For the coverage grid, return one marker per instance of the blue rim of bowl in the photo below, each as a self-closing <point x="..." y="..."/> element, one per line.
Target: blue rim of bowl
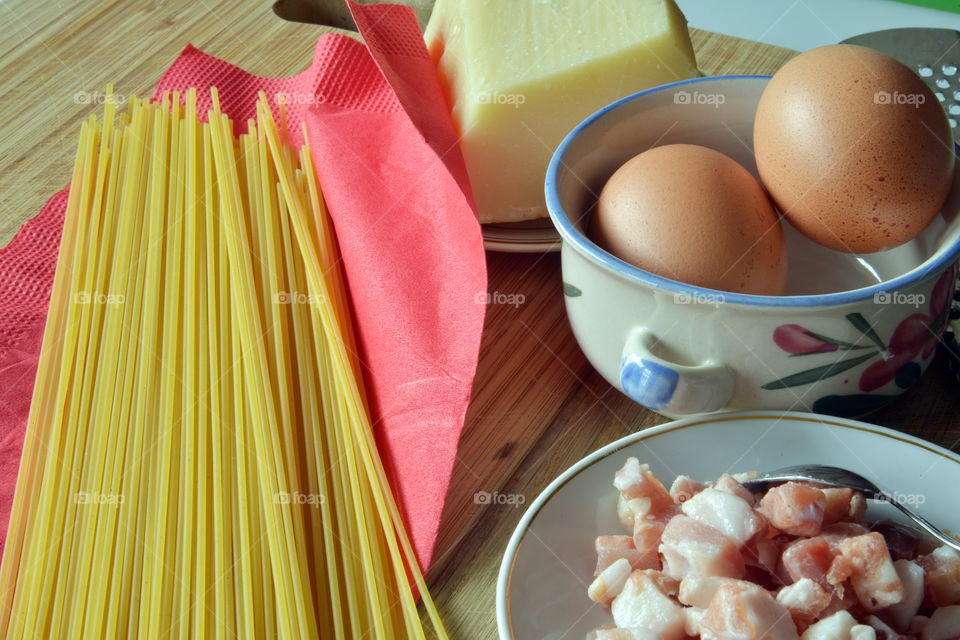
<point x="561" y="220"/>
<point x="508" y="563"/>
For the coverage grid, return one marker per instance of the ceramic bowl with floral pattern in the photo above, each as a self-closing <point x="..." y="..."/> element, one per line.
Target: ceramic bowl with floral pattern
<point x="852" y="331"/>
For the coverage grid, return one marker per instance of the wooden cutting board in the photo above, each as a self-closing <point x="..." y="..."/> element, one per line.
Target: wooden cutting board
<point x="537" y="405"/>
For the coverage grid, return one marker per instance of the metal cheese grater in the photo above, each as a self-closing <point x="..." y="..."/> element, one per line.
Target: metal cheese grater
<point x="935" y="55"/>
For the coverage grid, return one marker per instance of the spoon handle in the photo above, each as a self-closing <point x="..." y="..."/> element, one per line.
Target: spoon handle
<point x="924" y="524"/>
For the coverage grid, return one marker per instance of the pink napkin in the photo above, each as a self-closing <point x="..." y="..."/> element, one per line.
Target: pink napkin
<point x="394" y="178"/>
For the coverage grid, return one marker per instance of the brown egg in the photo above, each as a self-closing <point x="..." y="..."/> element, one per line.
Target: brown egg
<point x="692" y="214"/>
<point x="853" y="148"/>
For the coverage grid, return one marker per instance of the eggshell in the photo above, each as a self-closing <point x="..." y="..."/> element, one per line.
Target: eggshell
<point x="853" y="148"/>
<point x="692" y="214"/>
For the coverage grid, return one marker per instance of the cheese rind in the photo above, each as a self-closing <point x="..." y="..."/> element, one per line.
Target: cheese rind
<point x="520" y="74"/>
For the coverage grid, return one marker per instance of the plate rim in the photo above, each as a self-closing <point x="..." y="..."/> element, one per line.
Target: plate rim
<point x="521" y="247"/>
<point x="510" y="240"/>
<point x="505" y="573"/>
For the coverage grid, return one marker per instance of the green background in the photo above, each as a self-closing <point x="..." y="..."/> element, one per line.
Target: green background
<point x="943" y="5"/>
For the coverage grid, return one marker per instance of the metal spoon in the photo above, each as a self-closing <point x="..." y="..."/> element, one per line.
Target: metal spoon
<point x="837" y="477"/>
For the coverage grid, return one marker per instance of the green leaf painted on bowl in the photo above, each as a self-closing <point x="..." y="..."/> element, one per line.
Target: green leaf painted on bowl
<point x="851" y="406"/>
<point x="864" y="327"/>
<point x="571" y="291"/>
<point x="907" y="375"/>
<point x="841" y="345"/>
<point x="817" y="373"/>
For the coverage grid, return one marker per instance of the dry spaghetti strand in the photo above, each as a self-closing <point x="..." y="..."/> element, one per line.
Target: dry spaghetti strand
<point x="199" y="460"/>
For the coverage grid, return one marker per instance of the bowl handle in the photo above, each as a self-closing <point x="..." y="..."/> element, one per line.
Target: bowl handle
<point x="668" y="387"/>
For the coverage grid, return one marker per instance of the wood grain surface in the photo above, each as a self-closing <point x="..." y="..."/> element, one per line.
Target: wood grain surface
<point x="537" y="407"/>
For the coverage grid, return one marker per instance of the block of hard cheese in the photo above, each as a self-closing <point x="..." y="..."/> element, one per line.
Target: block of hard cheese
<point x="520" y="74"/>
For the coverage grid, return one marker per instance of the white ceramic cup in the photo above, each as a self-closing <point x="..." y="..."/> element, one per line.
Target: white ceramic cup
<point x="852" y="332"/>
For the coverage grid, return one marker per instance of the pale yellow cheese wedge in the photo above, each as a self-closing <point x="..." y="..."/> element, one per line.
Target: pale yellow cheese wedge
<point x="520" y="74"/>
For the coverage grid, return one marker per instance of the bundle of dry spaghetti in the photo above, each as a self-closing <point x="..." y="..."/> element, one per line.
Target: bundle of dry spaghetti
<point x="199" y="460"/>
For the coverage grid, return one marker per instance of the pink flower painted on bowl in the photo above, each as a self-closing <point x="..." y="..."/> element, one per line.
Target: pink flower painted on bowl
<point x="916" y="335"/>
<point x="884" y="370"/>
<point x="942" y="293"/>
<point x="797" y="340"/>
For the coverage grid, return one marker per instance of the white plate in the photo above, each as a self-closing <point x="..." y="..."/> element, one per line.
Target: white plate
<point x="541" y="592"/>
<point x="529" y="236"/>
